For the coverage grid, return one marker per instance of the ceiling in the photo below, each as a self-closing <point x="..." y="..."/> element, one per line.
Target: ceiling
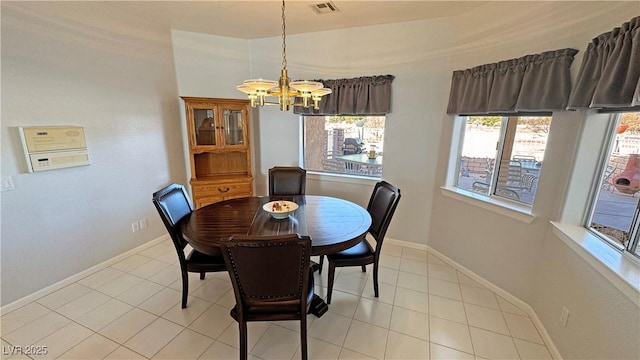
<point x="258" y="19"/>
<point x="241" y="19"/>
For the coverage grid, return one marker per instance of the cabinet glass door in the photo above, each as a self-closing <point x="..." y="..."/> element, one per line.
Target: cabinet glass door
<point x="233" y="127"/>
<point x="205" y="126"/>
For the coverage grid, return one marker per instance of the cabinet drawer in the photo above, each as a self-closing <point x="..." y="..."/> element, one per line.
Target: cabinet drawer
<point x="206" y="200"/>
<point x="222" y="189"/>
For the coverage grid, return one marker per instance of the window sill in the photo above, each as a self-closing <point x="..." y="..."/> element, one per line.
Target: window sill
<point x="506" y="208"/>
<point x="343" y="178"/>
<point x="620" y="269"/>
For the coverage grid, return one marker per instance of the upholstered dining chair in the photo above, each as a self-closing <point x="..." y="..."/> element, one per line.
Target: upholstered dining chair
<point x="173" y="204"/>
<point x="271" y="280"/>
<point x="287" y="181"/>
<point x="382" y="205"/>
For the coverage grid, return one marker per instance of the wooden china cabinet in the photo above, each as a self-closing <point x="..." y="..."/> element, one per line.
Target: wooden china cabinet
<point x="219" y="150"/>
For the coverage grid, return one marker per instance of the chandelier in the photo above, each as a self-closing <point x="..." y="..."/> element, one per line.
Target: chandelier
<point x="285" y="90"/>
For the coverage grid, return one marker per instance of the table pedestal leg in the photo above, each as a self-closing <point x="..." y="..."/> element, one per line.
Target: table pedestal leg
<point x="314" y="266"/>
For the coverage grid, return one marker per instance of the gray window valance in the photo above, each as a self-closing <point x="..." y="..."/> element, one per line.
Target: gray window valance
<point x="530" y="84"/>
<point x="609" y="77"/>
<point x="367" y="95"/>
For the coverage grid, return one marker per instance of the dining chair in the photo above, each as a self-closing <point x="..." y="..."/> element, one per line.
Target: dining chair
<point x="173" y="204"/>
<point x="514" y="175"/>
<point x="287" y="181"/>
<point x="606" y="178"/>
<point x="524" y="158"/>
<point x="480" y="187"/>
<point x="382" y="205"/>
<point x="271" y="279"/>
<point x="528" y="180"/>
<point x="507" y="193"/>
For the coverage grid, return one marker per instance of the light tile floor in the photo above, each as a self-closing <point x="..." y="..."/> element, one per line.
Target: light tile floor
<point x="131" y="310"/>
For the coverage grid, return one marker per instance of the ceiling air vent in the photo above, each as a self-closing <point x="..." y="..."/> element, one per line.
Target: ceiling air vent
<point x="325" y="8"/>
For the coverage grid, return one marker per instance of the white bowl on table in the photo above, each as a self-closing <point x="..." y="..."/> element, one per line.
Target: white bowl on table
<point x="280" y="209"/>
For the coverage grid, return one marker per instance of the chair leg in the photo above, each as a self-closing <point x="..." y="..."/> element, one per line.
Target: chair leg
<point x="332" y="273"/>
<point x="364" y="268"/>
<point x="244" y="351"/>
<point x="303" y="337"/>
<point x="321" y="262"/>
<point x="202" y="275"/>
<point x="375" y="279"/>
<point x="185" y="288"/>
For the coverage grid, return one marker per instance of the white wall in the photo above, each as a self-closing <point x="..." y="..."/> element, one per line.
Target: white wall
<point x="603" y="322"/>
<point x="209" y="66"/>
<point x="63" y="67"/>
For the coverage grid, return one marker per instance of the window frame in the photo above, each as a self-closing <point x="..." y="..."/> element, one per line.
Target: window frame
<point x="506" y="140"/>
<point x="324" y="173"/>
<point x="631" y="249"/>
<point x="495" y="204"/>
<point x="621" y="269"/>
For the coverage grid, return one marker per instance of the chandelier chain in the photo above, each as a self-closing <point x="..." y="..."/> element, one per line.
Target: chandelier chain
<point x="284" y="40"/>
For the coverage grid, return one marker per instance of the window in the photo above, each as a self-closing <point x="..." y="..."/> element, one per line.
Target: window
<point x="516" y="144"/>
<point x="614" y="215"/>
<point x="344" y="144"/>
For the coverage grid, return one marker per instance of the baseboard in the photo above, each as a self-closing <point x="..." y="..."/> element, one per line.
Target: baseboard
<point x="506" y="295"/>
<point x="73" y="278"/>
<point x="406" y="244"/>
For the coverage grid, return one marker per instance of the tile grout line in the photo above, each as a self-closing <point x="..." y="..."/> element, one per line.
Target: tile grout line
<point x="351" y="317"/>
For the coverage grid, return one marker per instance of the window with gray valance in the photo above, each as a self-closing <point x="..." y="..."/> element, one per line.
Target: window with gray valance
<point x="530" y="84"/>
<point x="367" y="95"/>
<point x="609" y="77"/>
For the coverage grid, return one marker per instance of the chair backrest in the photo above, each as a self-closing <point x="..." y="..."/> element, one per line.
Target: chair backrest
<point x="287" y="181"/>
<point x="528" y="180"/>
<point x="507" y="193"/>
<point x="352" y="146"/>
<point x="267" y="270"/>
<point x="514" y="174"/>
<point x="481" y="187"/>
<point x="382" y="205"/>
<point x="173" y="204"/>
<point x="524" y="158"/>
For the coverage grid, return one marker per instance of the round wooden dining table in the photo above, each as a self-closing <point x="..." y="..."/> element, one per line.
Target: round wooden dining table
<point x="333" y="224"/>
